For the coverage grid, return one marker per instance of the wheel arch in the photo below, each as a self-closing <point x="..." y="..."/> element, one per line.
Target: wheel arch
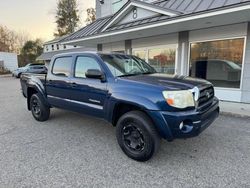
<point x="157" y="120"/>
<point x="33" y="90"/>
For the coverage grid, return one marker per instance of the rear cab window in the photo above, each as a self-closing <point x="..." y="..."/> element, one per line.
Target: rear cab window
<point x="62" y="66"/>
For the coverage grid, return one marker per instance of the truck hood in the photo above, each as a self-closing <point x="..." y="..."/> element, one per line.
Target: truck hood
<point x="170" y="82"/>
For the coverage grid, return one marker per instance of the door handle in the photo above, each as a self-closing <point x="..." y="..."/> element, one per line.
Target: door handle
<point x="49" y="81"/>
<point x="73" y="84"/>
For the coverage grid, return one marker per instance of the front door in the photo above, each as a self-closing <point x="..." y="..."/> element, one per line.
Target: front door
<point x="87" y="95"/>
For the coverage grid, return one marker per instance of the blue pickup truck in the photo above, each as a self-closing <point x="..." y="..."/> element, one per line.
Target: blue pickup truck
<point x="143" y="105"/>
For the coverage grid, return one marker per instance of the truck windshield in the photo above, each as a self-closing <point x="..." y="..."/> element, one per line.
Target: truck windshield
<point x="125" y="65"/>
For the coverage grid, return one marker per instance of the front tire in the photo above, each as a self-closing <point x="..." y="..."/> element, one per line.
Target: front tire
<point x="137" y="136"/>
<point x="40" y="111"/>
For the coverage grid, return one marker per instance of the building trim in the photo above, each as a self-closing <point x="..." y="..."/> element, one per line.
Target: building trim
<point x="142" y="5"/>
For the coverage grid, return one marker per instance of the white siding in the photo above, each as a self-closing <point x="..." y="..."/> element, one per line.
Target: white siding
<point x="141" y="13"/>
<point x="48" y="47"/>
<point x="115" y="46"/>
<point x="155" y="41"/>
<point x="246" y="71"/>
<point x="10" y="60"/>
<point x="228" y="31"/>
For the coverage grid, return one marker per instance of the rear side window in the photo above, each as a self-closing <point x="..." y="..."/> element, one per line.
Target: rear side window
<point x="83" y="64"/>
<point x="62" y="66"/>
<point x="37" y="67"/>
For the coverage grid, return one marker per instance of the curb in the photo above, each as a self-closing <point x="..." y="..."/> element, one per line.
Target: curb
<point x="234" y="115"/>
<point x="5" y="76"/>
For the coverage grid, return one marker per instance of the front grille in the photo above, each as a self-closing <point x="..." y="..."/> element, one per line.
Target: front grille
<point x="206" y="95"/>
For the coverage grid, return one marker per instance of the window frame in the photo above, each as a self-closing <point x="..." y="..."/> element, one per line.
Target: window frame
<point x="146" y="49"/>
<point x="52" y="68"/>
<point x="74" y="66"/>
<point x="221" y="39"/>
<point x="114" y="3"/>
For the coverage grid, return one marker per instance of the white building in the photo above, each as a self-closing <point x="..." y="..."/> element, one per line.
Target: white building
<point x="54" y="47"/>
<point x="207" y="39"/>
<point x="8" y="61"/>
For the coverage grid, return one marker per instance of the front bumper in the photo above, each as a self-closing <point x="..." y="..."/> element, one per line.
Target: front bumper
<point x="194" y="122"/>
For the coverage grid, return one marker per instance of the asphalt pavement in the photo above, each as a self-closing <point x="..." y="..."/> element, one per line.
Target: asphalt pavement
<point x="74" y="150"/>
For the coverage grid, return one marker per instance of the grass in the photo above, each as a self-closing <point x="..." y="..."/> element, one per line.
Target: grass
<point x="4" y="71"/>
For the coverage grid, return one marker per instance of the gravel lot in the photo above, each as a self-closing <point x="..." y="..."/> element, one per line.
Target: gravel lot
<point x="73" y="150"/>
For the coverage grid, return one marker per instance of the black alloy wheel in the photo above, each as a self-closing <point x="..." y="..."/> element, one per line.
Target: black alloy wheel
<point x="133" y="138"/>
<point x="40" y="111"/>
<point x="137" y="136"/>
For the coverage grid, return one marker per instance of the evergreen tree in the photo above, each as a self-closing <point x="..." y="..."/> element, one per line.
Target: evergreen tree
<point x="67" y="17"/>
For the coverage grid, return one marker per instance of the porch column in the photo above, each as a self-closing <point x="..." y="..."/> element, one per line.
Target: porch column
<point x="183" y="50"/>
<point x="99" y="47"/>
<point x="128" y="47"/>
<point x="246" y="71"/>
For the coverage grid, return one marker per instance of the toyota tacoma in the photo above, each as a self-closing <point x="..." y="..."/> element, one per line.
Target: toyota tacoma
<point x="143" y="105"/>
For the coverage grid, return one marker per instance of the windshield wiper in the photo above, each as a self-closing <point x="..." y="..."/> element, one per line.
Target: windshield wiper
<point x="148" y="73"/>
<point x="136" y="74"/>
<point x="127" y="75"/>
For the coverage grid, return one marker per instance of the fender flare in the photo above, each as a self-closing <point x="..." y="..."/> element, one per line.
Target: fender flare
<point x="143" y="103"/>
<point x="36" y="85"/>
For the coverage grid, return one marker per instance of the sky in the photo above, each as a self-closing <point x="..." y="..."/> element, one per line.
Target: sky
<point x="35" y="17"/>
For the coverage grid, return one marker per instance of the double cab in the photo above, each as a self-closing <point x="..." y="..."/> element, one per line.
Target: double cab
<point x="143" y="105"/>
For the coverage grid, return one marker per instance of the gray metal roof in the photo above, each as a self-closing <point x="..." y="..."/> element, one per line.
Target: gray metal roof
<point x="193" y="6"/>
<point x="55" y="40"/>
<point x="137" y="23"/>
<point x="185" y="7"/>
<point x="90" y="29"/>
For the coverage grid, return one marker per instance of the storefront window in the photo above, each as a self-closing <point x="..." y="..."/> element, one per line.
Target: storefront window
<point x="116" y="5"/>
<point x="140" y="53"/>
<point x="163" y="59"/>
<point x="219" y="62"/>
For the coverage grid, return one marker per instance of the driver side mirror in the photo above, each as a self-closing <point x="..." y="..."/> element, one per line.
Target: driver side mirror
<point x="95" y="74"/>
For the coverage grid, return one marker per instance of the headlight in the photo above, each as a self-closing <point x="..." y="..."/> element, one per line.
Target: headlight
<point x="179" y="99"/>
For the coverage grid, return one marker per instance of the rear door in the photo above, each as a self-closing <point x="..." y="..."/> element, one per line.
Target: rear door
<point x="58" y="83"/>
<point x="87" y="95"/>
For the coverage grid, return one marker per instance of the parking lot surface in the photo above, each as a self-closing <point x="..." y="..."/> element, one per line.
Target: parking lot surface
<point x="73" y="150"/>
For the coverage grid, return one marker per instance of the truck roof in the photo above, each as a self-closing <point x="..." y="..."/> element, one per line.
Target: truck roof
<point x="87" y="52"/>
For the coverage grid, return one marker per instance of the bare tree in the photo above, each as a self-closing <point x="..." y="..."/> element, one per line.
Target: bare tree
<point x="91" y="15"/>
<point x="11" y="41"/>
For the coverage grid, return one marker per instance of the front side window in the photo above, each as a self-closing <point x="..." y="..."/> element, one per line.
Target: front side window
<point x="62" y="66"/>
<point x="219" y="62"/>
<point x="83" y="64"/>
<point x="125" y="65"/>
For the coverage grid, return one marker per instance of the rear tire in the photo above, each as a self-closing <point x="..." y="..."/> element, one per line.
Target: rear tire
<point x="40" y="111"/>
<point x="137" y="136"/>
